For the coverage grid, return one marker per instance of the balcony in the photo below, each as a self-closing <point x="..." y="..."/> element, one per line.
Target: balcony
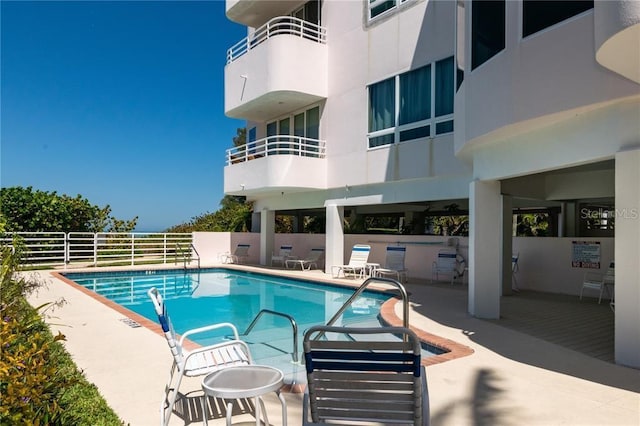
<point x="275" y="164"/>
<point x="253" y="13"/>
<point x="279" y="68"/>
<point x="617" y="35"/>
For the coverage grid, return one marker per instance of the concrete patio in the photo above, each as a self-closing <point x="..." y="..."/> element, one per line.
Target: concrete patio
<point x="540" y="365"/>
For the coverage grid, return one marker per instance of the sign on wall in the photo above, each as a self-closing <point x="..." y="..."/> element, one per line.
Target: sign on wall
<point x="586" y="254"/>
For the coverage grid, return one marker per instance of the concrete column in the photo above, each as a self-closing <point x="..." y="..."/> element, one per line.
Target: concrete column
<point x="561" y="219"/>
<point x="570" y="216"/>
<point x="485" y="242"/>
<point x="267" y="235"/>
<point x="334" y="238"/>
<point x="627" y="253"/>
<point x="255" y="222"/>
<point x="507" y="243"/>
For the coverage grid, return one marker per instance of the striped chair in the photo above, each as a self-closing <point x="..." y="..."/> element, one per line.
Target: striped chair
<point x="357" y="265"/>
<point x="394" y="264"/>
<point x="241" y="253"/>
<point x="357" y="377"/>
<point x="445" y="264"/>
<point x="198" y="362"/>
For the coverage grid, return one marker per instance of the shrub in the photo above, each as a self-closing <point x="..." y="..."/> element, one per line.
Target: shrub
<point x="39" y="383"/>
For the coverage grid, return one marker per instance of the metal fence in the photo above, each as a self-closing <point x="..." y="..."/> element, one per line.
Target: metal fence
<point x="85" y="249"/>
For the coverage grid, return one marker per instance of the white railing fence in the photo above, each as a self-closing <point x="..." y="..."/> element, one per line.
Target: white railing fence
<point x="277" y="145"/>
<point x="82" y="249"/>
<point x="282" y="25"/>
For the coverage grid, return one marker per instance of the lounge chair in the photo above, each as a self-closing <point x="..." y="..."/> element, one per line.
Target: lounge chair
<point x="357" y="265"/>
<point x="394" y="264"/>
<point x="315" y="257"/>
<point x="364" y="380"/>
<point x="240" y="254"/>
<point x="599" y="282"/>
<point x="198" y="362"/>
<point x="283" y="255"/>
<point x="445" y="264"/>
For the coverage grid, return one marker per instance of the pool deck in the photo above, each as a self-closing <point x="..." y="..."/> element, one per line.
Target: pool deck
<point x="513" y="377"/>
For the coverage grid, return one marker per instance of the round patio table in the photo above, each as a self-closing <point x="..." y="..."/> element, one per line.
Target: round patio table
<point x="244" y="381"/>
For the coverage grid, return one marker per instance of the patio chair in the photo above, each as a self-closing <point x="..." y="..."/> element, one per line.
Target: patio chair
<point x="315" y="258"/>
<point x="241" y="253"/>
<point x="445" y="264"/>
<point x="283" y="255"/>
<point x="197" y="362"/>
<point x="599" y="282"/>
<point x="394" y="264"/>
<point x="356" y="377"/>
<point x="357" y="265"/>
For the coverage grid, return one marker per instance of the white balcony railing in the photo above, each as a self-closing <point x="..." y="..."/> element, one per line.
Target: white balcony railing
<point x="282" y="25"/>
<point x="277" y="145"/>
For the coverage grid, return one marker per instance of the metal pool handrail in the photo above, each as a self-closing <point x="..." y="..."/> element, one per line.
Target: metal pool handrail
<point x="294" y="326"/>
<point x="403" y="293"/>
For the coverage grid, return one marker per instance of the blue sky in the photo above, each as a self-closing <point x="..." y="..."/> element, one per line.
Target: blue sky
<point x="120" y="102"/>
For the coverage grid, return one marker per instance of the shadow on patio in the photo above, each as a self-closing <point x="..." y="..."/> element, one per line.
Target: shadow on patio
<point x="582" y="331"/>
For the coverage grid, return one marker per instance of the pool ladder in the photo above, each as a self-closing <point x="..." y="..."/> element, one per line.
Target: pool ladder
<point x="187" y="254"/>
<point x="343" y="308"/>
<point x="292" y="321"/>
<point x="358" y="292"/>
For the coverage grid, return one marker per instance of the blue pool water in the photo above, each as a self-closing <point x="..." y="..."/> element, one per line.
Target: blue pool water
<point x="195" y="298"/>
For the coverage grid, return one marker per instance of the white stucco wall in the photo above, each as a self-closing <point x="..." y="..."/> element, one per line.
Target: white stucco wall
<point x="362" y="53"/>
<point x="544" y="263"/>
<point x="287" y="68"/>
<point x="538" y="77"/>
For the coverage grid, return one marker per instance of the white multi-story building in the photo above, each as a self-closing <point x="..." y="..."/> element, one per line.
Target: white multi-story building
<point x="398" y="105"/>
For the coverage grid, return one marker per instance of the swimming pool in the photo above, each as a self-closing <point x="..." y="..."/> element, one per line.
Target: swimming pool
<point x="196" y="298"/>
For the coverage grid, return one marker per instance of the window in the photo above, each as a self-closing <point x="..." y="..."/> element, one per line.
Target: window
<point x="251" y="139"/>
<point x="310" y="12"/>
<point x="382" y="98"/>
<point x="540" y="14"/>
<point x="312" y="127"/>
<point x="422" y="99"/>
<point x="378" y="7"/>
<point x="597" y="219"/>
<point x="415" y="95"/>
<point x="487" y="30"/>
<point x="272" y="129"/>
<point x="444" y="94"/>
<point x="304" y="125"/>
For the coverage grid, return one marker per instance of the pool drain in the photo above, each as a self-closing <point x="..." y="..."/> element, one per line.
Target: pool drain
<point x="131" y="323"/>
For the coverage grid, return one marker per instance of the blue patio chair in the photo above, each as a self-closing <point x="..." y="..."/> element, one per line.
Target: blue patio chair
<point x="394" y="264"/>
<point x="446" y="264"/>
<point x="240" y="254"/>
<point x="355" y="377"/>
<point x="283" y="255"/>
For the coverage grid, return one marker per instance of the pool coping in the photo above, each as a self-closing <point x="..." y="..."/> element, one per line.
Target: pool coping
<point x="388" y="314"/>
